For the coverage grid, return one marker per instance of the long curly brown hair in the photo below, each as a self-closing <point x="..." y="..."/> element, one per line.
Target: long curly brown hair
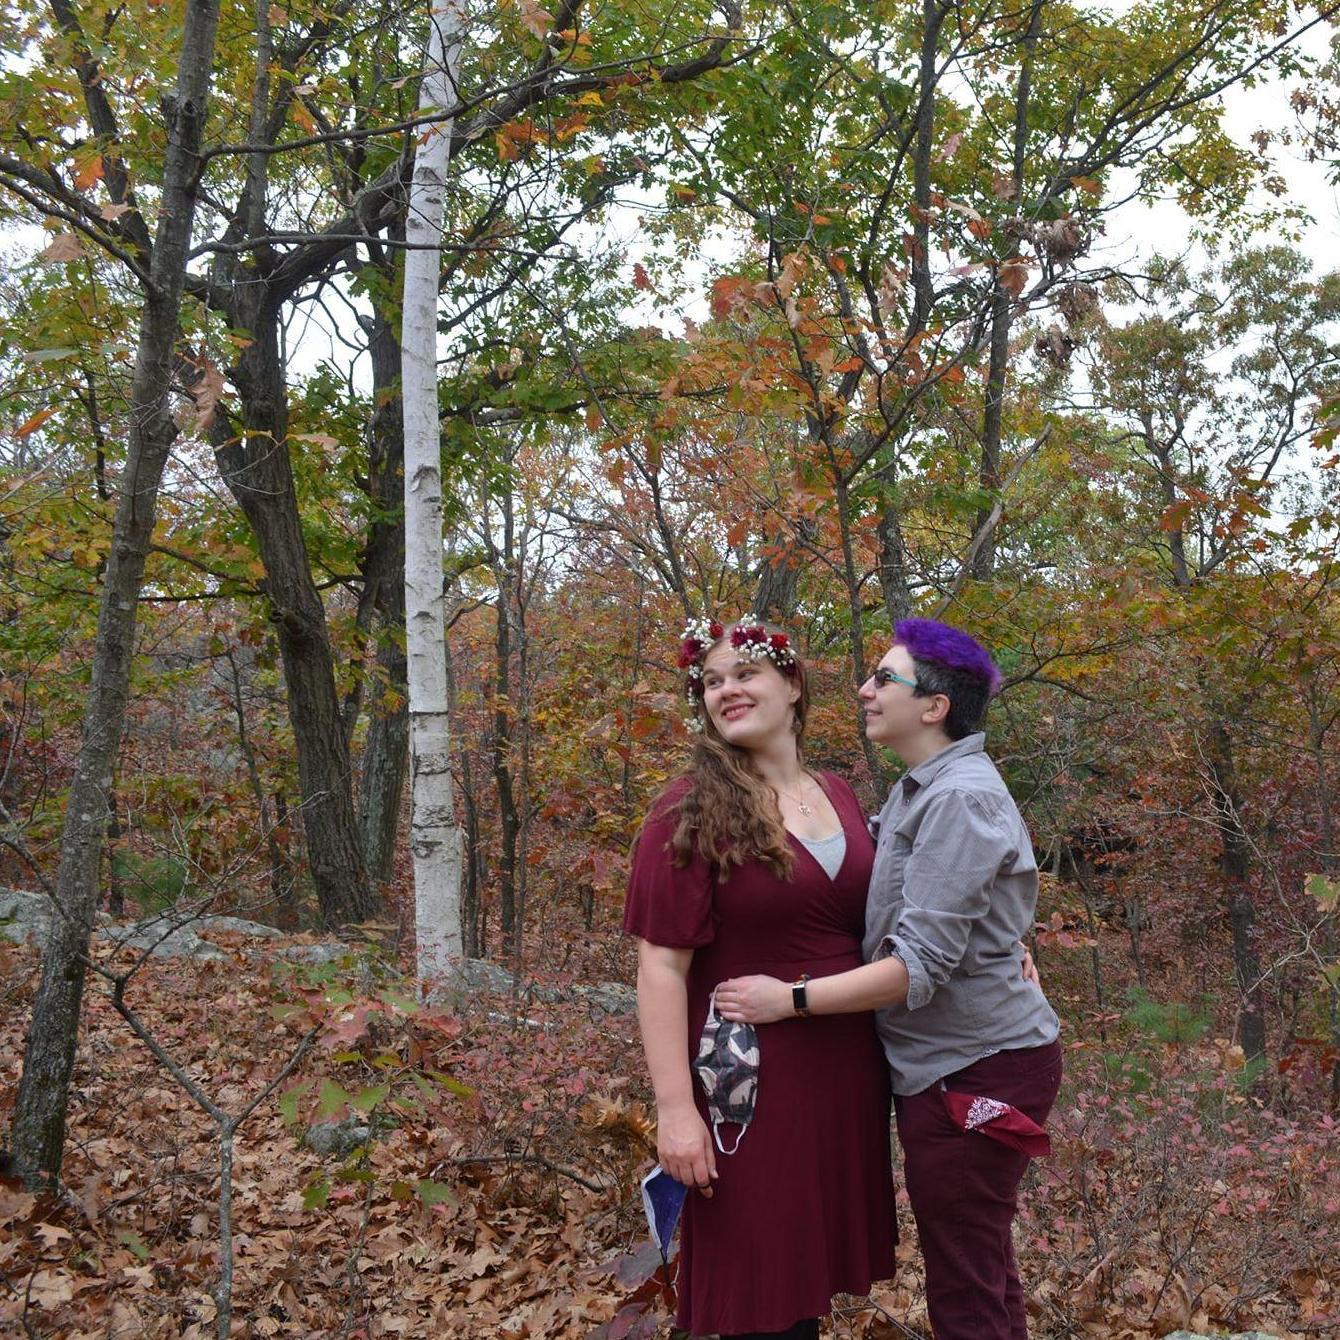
<point x="729" y="814"/>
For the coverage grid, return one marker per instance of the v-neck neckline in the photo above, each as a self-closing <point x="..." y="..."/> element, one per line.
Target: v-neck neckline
<point x="842" y="828"/>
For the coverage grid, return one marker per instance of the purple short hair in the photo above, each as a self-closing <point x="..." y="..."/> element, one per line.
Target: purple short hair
<point x="931" y="640"/>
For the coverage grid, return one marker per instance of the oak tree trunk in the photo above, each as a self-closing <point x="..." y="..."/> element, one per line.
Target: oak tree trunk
<point x="386" y="750"/>
<point x="39" y="1116"/>
<point x="254" y="463"/>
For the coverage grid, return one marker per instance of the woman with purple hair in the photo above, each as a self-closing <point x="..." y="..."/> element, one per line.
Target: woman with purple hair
<point x="971" y="1041"/>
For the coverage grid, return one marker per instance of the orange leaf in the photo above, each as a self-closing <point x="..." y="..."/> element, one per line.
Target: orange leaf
<point x="1013" y="275"/>
<point x="644" y="727"/>
<point x="1087" y="184"/>
<point x="207" y="392"/>
<point x="1174" y="518"/>
<point x="63" y="247"/>
<point x="35" y="422"/>
<point x="88" y="173"/>
<point x="535" y="19"/>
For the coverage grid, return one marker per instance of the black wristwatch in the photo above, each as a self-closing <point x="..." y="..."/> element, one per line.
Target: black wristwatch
<point x="799" y="1000"/>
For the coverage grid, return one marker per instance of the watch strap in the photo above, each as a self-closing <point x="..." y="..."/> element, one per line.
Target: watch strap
<point x="799" y="996"/>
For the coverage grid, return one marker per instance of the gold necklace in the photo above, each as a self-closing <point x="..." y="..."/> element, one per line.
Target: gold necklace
<point x="797" y="801"/>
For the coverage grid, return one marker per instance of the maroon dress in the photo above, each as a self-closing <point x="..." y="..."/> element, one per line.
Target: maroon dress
<point x="805" y="1208"/>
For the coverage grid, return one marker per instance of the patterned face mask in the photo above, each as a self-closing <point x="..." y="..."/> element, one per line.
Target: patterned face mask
<point x="727" y="1068"/>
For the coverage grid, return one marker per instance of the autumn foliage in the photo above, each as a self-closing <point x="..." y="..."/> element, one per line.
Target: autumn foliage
<point x="809" y="310"/>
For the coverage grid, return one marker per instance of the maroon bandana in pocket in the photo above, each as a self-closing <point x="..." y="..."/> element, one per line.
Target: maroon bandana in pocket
<point x="1000" y="1121"/>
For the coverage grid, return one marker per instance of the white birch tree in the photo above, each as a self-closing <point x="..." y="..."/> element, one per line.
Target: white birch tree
<point x="435" y="837"/>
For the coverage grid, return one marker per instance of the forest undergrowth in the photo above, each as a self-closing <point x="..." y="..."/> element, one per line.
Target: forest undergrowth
<point x="495" y="1193"/>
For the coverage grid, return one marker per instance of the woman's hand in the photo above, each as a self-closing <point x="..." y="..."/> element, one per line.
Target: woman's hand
<point x="755" y="1000"/>
<point x="684" y="1147"/>
<point x="1029" y="969"/>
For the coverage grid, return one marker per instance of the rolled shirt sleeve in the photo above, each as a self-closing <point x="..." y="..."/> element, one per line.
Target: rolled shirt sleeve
<point x="958" y="850"/>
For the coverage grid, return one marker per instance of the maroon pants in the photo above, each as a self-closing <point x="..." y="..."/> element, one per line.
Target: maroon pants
<point x="962" y="1186"/>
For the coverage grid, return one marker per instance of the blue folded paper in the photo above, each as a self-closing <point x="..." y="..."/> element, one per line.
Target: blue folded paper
<point x="663" y="1199"/>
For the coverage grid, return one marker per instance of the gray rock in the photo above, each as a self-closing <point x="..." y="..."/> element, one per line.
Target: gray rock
<point x="161" y="939"/>
<point x="608" y="997"/>
<point x="337" y="1139"/>
<point x="478" y="974"/>
<point x="238" y="926"/>
<point x="1220" y="1335"/>
<point x="605" y="997"/>
<point x="27" y="916"/>
<point x="24" y="916"/>
<point x="325" y="951"/>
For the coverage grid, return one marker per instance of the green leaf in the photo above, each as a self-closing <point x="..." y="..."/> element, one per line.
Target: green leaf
<point x="355" y="1174"/>
<point x="331" y="1099"/>
<point x="405" y="1004"/>
<point x="434" y="1193"/>
<point x="315" y="1194"/>
<point x="1325" y="891"/>
<point x="127" y="1237"/>
<point x="290" y="1098"/>
<point x="47" y="355"/>
<point x="366" y="1099"/>
<point x="453" y="1084"/>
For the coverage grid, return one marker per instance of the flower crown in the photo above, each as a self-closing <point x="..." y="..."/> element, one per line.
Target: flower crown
<point x="751" y="640"/>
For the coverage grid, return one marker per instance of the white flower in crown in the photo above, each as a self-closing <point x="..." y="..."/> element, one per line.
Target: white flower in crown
<point x="698" y="635"/>
<point x="753" y="642"/>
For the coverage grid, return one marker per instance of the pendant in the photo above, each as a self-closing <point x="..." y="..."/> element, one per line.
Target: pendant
<point x="804" y="808"/>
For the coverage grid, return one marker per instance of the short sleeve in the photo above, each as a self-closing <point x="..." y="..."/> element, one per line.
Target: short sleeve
<point x="668" y="905"/>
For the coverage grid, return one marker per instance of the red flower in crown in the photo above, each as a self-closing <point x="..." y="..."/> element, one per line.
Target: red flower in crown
<point x="697" y="637"/>
<point x="753" y="642"/>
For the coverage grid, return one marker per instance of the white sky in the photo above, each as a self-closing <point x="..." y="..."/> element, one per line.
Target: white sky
<point x="1141" y="228"/>
<point x="1135" y="231"/>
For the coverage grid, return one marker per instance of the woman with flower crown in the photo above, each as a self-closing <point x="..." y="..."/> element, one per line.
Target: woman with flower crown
<point x="751" y="862"/>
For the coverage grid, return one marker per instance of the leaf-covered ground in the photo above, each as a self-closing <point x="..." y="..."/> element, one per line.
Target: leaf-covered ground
<point x="497" y="1193"/>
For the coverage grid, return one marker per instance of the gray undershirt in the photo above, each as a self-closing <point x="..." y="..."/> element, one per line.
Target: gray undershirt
<point x="830" y="852"/>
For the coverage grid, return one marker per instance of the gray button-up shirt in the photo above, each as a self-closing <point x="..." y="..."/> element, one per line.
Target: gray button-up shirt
<point x="953" y="891"/>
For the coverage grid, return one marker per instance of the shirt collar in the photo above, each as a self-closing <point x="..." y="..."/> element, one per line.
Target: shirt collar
<point x="925" y="773"/>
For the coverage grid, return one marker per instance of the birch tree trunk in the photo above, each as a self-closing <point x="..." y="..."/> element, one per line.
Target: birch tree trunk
<point x="435" y="837"/>
<point x="48" y="1058"/>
